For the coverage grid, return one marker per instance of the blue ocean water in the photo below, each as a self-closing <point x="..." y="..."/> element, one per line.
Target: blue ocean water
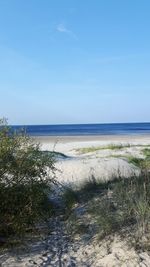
<point x="87" y="129"/>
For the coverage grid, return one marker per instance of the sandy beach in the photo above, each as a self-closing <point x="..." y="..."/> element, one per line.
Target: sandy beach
<point x="101" y="157"/>
<point x="67" y="143"/>
<point x="88" y="138"/>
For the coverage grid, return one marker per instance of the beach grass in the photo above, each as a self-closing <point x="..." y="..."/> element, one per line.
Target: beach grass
<point x="127" y="205"/>
<point x="115" y="206"/>
<point x="94" y="148"/>
<point x="146" y="152"/>
<point x="91" y="149"/>
<point x="136" y="161"/>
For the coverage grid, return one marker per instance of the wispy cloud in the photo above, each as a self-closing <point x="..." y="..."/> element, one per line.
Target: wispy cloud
<point x="61" y="28"/>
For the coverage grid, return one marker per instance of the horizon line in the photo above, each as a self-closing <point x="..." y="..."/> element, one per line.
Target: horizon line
<point x="93" y="123"/>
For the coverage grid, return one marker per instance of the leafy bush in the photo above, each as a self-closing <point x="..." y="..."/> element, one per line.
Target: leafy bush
<point x="24" y="181"/>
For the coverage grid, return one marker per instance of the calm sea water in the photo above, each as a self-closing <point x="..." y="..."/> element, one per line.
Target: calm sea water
<point x="87" y="129"/>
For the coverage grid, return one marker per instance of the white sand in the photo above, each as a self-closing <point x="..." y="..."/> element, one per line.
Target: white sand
<point x="66" y="144"/>
<point x="101" y="164"/>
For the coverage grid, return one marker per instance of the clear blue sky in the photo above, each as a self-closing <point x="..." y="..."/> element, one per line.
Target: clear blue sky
<point x="74" y="61"/>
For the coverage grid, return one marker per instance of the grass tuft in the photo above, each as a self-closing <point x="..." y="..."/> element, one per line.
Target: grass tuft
<point x="136" y="161"/>
<point x="146" y="153"/>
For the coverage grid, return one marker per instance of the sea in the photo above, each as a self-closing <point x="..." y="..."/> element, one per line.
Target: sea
<point x="86" y="129"/>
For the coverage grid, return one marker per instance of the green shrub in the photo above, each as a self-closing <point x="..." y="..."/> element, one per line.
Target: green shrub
<point x="24" y="182"/>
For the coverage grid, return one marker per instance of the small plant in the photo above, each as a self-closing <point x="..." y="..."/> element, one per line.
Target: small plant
<point x="146" y="152"/>
<point x="136" y="161"/>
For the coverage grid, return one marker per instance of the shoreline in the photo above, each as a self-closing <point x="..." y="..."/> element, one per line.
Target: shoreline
<point x="86" y="138"/>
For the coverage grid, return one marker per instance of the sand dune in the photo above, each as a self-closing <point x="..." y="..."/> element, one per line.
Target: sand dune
<point x="102" y="163"/>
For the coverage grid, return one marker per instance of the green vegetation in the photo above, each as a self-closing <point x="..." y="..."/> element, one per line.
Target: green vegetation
<point x="117" y="147"/>
<point x="25" y="182"/>
<point x="146" y="153"/>
<point x="128" y="205"/>
<point x="93" y="148"/>
<point x="88" y="149"/>
<point x="115" y="206"/>
<point x="143" y="163"/>
<point x="136" y="161"/>
<point x="26" y="177"/>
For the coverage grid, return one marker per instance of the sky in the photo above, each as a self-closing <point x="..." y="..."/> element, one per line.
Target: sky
<point x="74" y="61"/>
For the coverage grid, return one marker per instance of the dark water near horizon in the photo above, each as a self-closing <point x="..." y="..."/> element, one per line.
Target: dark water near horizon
<point x="87" y="129"/>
